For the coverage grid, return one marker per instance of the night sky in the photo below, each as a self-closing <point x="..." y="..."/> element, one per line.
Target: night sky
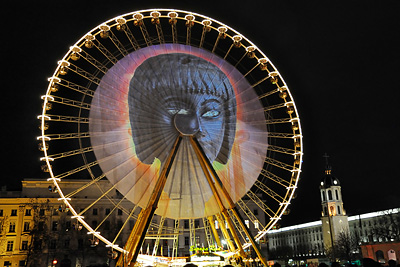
<point x="340" y="59"/>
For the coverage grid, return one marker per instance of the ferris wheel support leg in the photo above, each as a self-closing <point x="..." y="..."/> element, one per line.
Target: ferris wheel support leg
<point x="205" y="166"/>
<point x="225" y="233"/>
<point x="210" y="170"/>
<point x="214" y="230"/>
<point x="139" y="231"/>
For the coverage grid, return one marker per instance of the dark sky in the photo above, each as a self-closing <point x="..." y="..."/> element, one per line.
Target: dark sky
<point x="340" y="59"/>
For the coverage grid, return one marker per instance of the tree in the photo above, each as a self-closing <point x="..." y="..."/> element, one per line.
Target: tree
<point x="345" y="248"/>
<point x="388" y="226"/>
<point x="3" y="231"/>
<point x="39" y="232"/>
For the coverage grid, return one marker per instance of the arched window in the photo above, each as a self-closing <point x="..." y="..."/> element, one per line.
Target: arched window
<point x="325" y="212"/>
<point x="329" y="194"/>
<point x="337" y="195"/>
<point x="323" y="196"/>
<point x="379" y="256"/>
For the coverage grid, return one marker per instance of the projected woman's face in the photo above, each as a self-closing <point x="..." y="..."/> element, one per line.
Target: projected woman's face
<point x="191" y="98"/>
<point x="201" y="116"/>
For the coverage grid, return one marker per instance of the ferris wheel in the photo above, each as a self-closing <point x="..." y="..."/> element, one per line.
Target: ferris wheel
<point x="180" y="113"/>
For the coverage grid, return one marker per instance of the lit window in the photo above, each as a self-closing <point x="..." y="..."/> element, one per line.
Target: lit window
<point x="26" y="226"/>
<point x="11" y="229"/>
<point x="247" y="223"/>
<point x="10" y="245"/>
<point x="216" y="224"/>
<point x="256" y="225"/>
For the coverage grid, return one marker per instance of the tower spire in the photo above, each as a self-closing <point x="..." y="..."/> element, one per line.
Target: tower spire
<point x="328" y="167"/>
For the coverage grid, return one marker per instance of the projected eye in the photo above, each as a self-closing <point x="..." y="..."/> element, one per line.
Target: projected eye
<point x="174" y="111"/>
<point x="211" y="114"/>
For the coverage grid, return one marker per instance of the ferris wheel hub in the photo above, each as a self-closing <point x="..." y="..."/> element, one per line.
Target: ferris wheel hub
<point x="186" y="124"/>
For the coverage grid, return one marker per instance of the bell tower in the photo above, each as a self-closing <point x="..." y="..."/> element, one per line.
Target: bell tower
<point x="334" y="218"/>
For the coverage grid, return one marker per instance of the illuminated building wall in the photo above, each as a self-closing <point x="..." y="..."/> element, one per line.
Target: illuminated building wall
<point x="61" y="238"/>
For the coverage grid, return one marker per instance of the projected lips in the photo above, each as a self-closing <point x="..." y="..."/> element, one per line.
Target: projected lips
<point x="154" y="95"/>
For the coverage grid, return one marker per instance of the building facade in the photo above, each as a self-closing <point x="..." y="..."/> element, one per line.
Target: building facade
<point x="37" y="229"/>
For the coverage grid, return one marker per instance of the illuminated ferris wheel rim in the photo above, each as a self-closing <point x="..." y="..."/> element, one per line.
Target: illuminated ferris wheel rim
<point x="162" y="13"/>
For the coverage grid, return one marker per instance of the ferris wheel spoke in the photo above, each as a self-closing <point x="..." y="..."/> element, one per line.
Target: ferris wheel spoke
<point x="70" y="153"/>
<point x="87" y="185"/>
<point x="87" y="75"/>
<point x="206" y="28"/>
<point x="280" y="164"/>
<point x="283" y="150"/>
<point x="73" y="119"/>
<point x="76" y="170"/>
<point x="275" y="196"/>
<point x="117" y="43"/>
<point x="156" y="21"/>
<point x="69" y="102"/>
<point x="76" y="87"/>
<point x="275" y="178"/>
<point x="172" y="21"/>
<point x="63" y="136"/>
<point x="138" y="22"/>
<point x="249" y="214"/>
<point x="92" y="60"/>
<point x="267" y="210"/>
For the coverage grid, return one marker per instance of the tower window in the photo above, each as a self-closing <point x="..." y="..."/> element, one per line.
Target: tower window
<point x="338" y="209"/>
<point x="329" y="194"/>
<point x="337" y="195"/>
<point x="323" y="196"/>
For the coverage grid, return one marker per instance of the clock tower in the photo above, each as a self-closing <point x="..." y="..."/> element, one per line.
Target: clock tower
<point x="334" y="218"/>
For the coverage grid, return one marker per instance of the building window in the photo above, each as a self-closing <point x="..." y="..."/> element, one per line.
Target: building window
<point x="119" y="212"/>
<point x="7" y="264"/>
<point x="329" y="194"/>
<point x="10" y="245"/>
<point x="1" y="212"/>
<point x="186" y="241"/>
<point x="337" y="195"/>
<point x="41" y="212"/>
<point x="28" y="212"/>
<point x="94" y="211"/>
<point x="53" y="244"/>
<point x="186" y="224"/>
<point x="256" y="225"/>
<point x="108" y="211"/>
<point x="22" y="263"/>
<point x="255" y="212"/>
<point x="13" y="212"/>
<point x="24" y="245"/>
<point x="66" y="243"/>
<point x="11" y="229"/>
<point x="107" y="225"/>
<point x="26" y="226"/>
<point x="323" y="196"/>
<point x="247" y="223"/>
<point x="338" y="209"/>
<point x="196" y="223"/>
<point x="54" y="226"/>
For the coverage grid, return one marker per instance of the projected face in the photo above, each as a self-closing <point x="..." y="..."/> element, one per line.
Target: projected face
<point x="189" y="96"/>
<point x="153" y="95"/>
<point x="201" y="116"/>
